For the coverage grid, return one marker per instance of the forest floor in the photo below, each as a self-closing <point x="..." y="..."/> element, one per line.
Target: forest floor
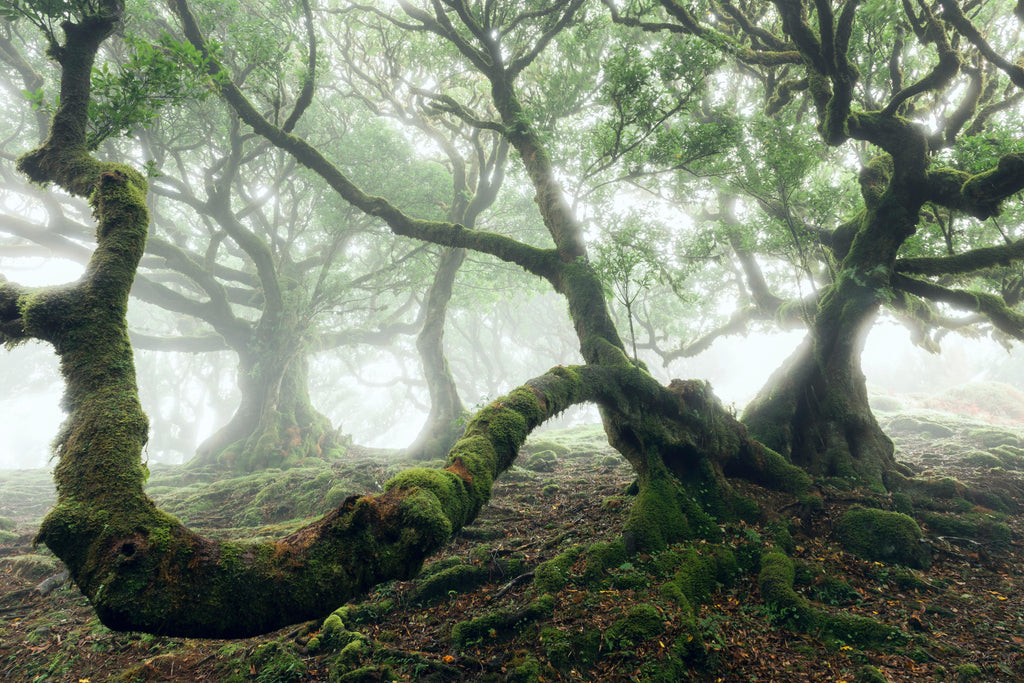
<point x="478" y="611"/>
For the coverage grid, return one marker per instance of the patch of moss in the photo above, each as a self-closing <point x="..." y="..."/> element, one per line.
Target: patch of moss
<point x="869" y="674"/>
<point x="926" y="427"/>
<point x="277" y="663"/>
<point x="901" y="502"/>
<point x="439" y="585"/>
<point x="981" y="459"/>
<point x="550" y="490"/>
<point x="1011" y="456"/>
<point x="975" y="527"/>
<point x="662" y="514"/>
<point x="890" y="537"/>
<point x="553" y="575"/>
<point x="786" y="605"/>
<point x="908" y="581"/>
<point x="30" y="566"/>
<point x="833" y="590"/>
<point x="525" y="669"/>
<point x="501" y="622"/>
<point x="700" y="575"/>
<point x="544" y="461"/>
<point x="365" y="674"/>
<point x="538" y="446"/>
<point x="990" y="438"/>
<point x="641" y="623"/>
<point x="968" y="672"/>
<point x="600" y="557"/>
<point x="782" y="536"/>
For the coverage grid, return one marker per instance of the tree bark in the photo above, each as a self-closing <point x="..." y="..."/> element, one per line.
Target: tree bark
<point x="814" y="409"/>
<point x="275" y="424"/>
<point x="445" y="423"/>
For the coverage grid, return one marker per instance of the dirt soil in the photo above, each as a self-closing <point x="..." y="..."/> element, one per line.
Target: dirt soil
<point x="962" y="618"/>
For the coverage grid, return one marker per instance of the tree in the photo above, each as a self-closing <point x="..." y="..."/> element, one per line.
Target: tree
<point x="814" y="409"/>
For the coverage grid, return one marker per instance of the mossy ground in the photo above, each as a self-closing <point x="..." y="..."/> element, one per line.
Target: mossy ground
<point x="692" y="611"/>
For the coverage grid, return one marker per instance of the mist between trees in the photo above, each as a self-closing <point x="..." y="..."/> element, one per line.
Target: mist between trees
<point x="420" y="208"/>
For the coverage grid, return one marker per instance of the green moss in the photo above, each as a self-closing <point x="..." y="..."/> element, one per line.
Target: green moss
<point x="889" y="537"/>
<point x="544" y="461"/>
<point x="524" y="669"/>
<point x="927" y="427"/>
<point x="782" y="537"/>
<point x="663" y="514"/>
<point x="976" y="527"/>
<point x="981" y="459"/>
<point x="30" y="566"/>
<point x="991" y="438"/>
<point x="600" y="557"/>
<point x="869" y="674"/>
<point x="558" y="648"/>
<point x="501" y="622"/>
<point x="787" y="606"/>
<point x="968" y="672"/>
<point x="454" y="579"/>
<point x="908" y="581"/>
<point x="641" y="623"/>
<point x="903" y="503"/>
<point x="1011" y="456"/>
<point x="553" y="575"/>
<point x="276" y="663"/>
<point x="540" y="446"/>
<point x="833" y="590"/>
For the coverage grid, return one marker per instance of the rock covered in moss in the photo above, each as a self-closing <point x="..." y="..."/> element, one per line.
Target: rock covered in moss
<point x="878" y="535"/>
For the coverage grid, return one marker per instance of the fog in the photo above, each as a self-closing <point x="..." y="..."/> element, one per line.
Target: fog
<point x="379" y="416"/>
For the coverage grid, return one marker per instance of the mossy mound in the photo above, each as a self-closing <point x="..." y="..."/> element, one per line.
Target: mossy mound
<point x="454" y="579"/>
<point x="543" y="461"/>
<point x="641" y="622"/>
<point x="890" y="537"/>
<point x="973" y="528"/>
<point x="981" y="459"/>
<point x="1012" y="457"/>
<point x="553" y="575"/>
<point x="919" y="426"/>
<point x="784" y="604"/>
<point x="33" y="567"/>
<point x="992" y="438"/>
<point x="532" y="447"/>
<point x="580" y="442"/>
<point x="502" y="622"/>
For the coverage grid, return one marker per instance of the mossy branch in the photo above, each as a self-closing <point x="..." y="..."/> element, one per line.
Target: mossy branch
<point x="962" y="264"/>
<point x="991" y="306"/>
<point x="954" y="15"/>
<point x="980" y="195"/>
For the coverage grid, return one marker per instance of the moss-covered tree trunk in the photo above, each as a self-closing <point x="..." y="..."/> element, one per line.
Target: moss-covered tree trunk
<point x="275" y="424"/>
<point x="814" y="409"/>
<point x="446" y="420"/>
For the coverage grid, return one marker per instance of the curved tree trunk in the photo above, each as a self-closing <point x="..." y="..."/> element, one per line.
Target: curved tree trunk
<point x="446" y="420"/>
